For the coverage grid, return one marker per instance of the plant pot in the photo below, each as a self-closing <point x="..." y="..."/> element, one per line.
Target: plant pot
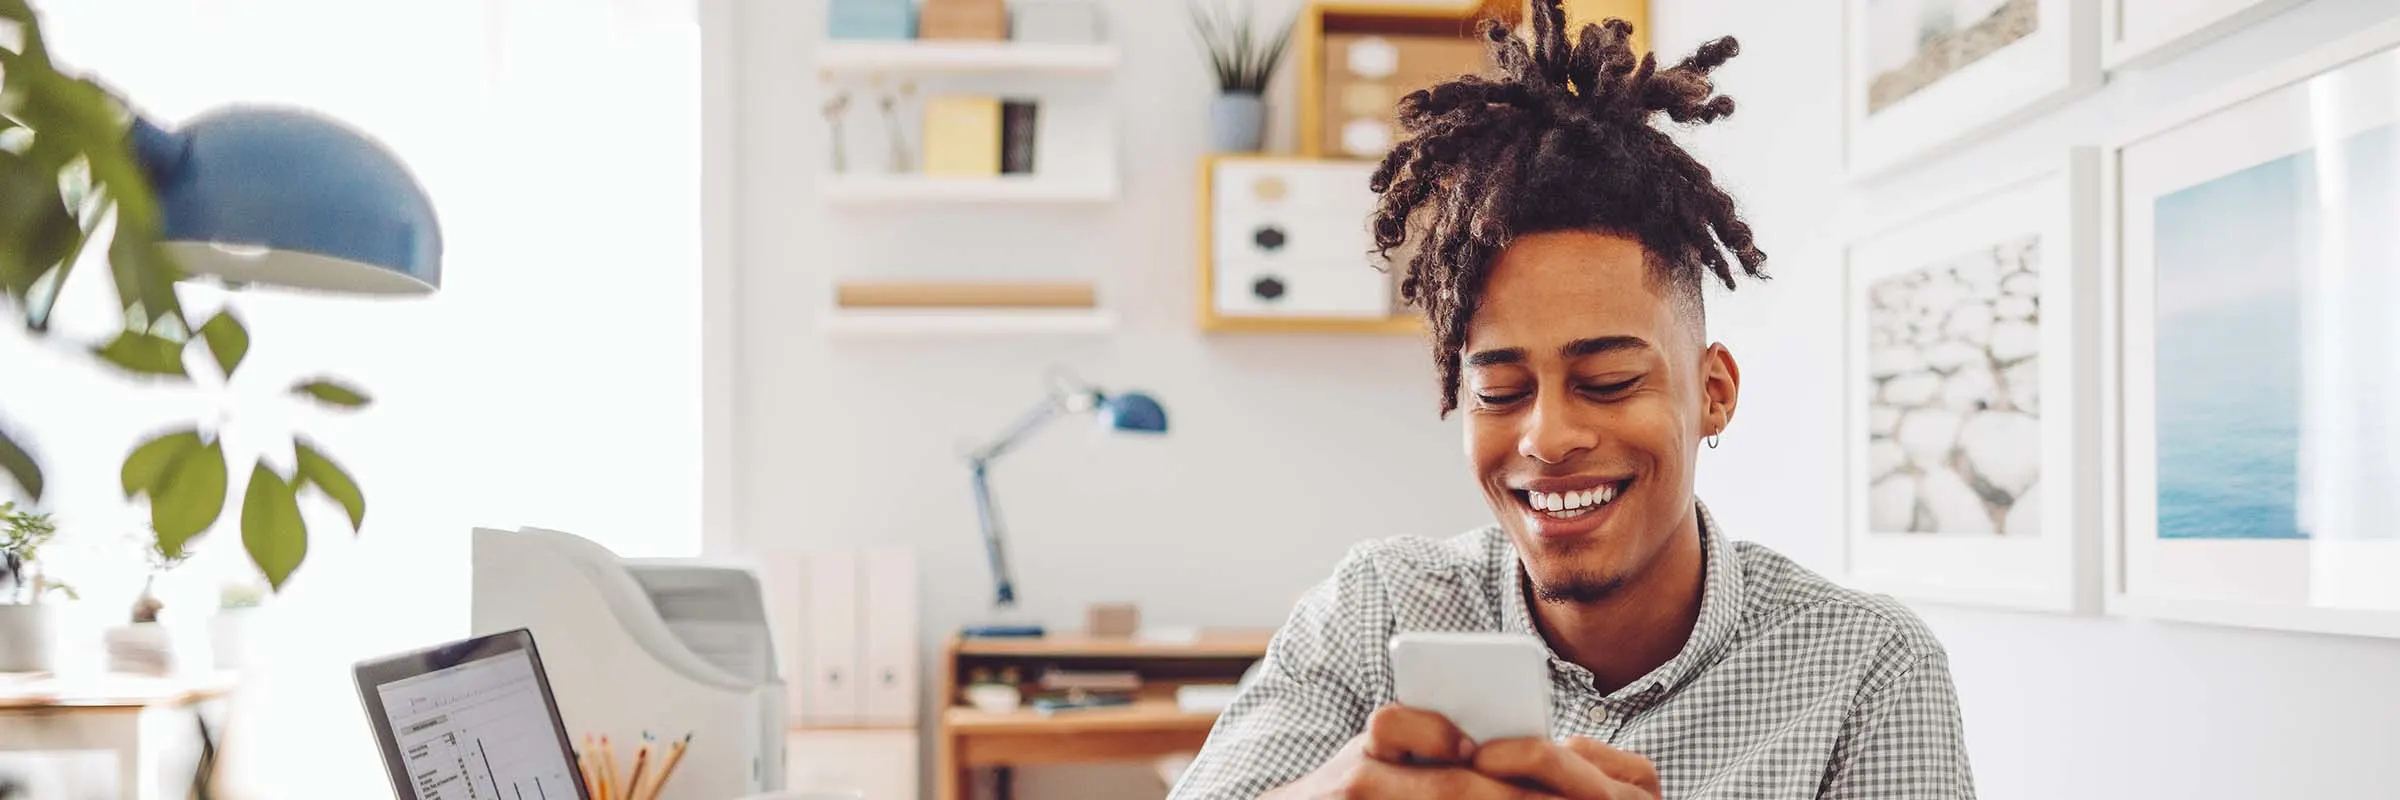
<point x="28" y="638"/>
<point x="229" y="637"/>
<point x="1237" y="122"/>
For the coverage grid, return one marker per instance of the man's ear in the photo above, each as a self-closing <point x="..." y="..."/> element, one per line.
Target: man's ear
<point x="1720" y="389"/>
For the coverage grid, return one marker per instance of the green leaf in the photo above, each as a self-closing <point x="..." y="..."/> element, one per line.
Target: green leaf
<point x="145" y="275"/>
<point x="144" y="353"/>
<point x="16" y="10"/>
<point x="227" y="339"/>
<point x="36" y="229"/>
<point x="147" y="467"/>
<point x="19" y="466"/>
<point x="328" y="391"/>
<point x="192" y="497"/>
<point x="271" y="526"/>
<point x="316" y="469"/>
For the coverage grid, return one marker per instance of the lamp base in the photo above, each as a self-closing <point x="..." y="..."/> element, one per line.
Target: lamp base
<point x="1001" y="631"/>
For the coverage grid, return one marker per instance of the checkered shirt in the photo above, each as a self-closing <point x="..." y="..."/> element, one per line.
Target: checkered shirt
<point x="1789" y="687"/>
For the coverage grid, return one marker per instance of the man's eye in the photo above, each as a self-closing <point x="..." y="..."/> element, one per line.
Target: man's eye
<point x="1499" y="399"/>
<point x="1611" y="388"/>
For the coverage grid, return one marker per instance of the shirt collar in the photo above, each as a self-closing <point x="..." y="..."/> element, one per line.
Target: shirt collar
<point x="1720" y="613"/>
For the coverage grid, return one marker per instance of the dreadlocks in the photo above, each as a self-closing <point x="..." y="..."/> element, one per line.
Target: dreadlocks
<point x="1561" y="140"/>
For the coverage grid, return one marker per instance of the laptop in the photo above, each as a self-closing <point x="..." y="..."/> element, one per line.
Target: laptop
<point x="472" y="719"/>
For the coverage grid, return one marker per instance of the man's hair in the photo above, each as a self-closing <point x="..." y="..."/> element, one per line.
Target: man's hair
<point x="1560" y="140"/>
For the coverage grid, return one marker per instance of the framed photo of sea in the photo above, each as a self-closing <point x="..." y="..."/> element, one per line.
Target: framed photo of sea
<point x="1973" y="397"/>
<point x="2255" y="447"/>
<point x="1925" y="77"/>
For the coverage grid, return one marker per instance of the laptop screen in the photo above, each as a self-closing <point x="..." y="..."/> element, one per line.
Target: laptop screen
<point x="473" y="721"/>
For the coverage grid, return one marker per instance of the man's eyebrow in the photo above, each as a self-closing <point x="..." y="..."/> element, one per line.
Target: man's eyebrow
<point x="1493" y="358"/>
<point x="1602" y="344"/>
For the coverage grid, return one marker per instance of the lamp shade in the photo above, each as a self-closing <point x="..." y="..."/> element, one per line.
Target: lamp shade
<point x="288" y="198"/>
<point x="1133" y="412"/>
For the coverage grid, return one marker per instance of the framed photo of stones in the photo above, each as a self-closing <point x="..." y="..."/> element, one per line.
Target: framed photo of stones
<point x="1972" y="399"/>
<point x="1925" y="76"/>
<point x="2139" y="33"/>
<point x="2259" y="401"/>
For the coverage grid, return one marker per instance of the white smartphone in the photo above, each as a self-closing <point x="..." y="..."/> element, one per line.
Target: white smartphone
<point x="1491" y="685"/>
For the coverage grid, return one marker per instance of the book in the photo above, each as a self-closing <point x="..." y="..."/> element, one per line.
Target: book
<point x="1067" y="680"/>
<point x="962" y="136"/>
<point x="1016" y="137"/>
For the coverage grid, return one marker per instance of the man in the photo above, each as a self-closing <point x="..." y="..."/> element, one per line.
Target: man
<point x="1561" y="245"/>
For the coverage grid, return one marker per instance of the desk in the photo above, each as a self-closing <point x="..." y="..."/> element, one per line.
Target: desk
<point x="969" y="738"/>
<point x="148" y="726"/>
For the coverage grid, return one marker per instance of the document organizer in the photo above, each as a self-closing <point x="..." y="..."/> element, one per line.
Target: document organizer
<point x="665" y="646"/>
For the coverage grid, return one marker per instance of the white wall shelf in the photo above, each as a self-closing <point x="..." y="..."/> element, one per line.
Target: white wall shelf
<point x="965" y="322"/>
<point x="971" y="57"/>
<point x="868" y="189"/>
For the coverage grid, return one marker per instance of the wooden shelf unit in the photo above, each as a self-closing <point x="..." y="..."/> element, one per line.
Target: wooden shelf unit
<point x="1154" y="725"/>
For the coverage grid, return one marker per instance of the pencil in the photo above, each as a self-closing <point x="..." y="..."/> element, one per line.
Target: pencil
<point x="608" y="769"/>
<point x="667" y="770"/>
<point x="641" y="765"/>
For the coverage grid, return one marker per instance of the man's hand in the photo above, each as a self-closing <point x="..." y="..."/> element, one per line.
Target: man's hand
<point x="1407" y="754"/>
<point x="1576" y="769"/>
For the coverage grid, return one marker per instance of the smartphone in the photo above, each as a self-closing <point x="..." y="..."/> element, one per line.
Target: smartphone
<point x="1491" y="685"/>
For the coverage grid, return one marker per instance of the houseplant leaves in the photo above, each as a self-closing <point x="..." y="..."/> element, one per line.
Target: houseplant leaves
<point x="328" y="391"/>
<point x="228" y="340"/>
<point x="317" y="470"/>
<point x="271" y="526"/>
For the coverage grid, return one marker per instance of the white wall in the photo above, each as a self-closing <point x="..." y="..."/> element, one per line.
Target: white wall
<point x="1284" y="449"/>
<point x="2056" y="707"/>
<point x="1287" y="449"/>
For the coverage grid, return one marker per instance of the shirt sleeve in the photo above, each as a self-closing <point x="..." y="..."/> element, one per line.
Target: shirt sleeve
<point x="1904" y="740"/>
<point x="1311" y="695"/>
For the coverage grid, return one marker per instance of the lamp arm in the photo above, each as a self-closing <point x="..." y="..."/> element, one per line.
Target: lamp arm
<point x="987" y="512"/>
<point x="1052" y="405"/>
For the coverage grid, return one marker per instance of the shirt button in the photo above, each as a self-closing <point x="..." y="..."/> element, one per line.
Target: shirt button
<point x="1597" y="713"/>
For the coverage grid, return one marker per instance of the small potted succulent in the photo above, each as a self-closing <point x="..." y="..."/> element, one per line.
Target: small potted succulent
<point x="27" y="625"/>
<point x="1243" y="59"/>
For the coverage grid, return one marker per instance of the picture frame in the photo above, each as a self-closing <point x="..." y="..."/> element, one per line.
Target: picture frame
<point x="1920" y="81"/>
<point x="2140" y="33"/>
<point x="1971" y="401"/>
<point x="2244" y="483"/>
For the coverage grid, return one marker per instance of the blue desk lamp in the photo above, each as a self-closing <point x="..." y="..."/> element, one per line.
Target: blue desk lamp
<point x="1125" y="412"/>
<point x="287" y="198"/>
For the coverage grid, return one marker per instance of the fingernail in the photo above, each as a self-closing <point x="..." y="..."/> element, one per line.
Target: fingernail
<point x="1466" y="746"/>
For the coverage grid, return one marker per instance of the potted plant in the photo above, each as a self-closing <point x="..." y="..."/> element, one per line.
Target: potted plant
<point x="27" y="629"/>
<point x="68" y="171"/>
<point x="1243" y="60"/>
<point x="229" y="630"/>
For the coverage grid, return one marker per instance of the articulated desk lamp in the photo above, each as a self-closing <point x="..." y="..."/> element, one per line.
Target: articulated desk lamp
<point x="1125" y="412"/>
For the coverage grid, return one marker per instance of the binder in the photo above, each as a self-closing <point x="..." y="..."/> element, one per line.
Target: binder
<point x="832" y="693"/>
<point x="786" y="573"/>
<point x="889" y="638"/>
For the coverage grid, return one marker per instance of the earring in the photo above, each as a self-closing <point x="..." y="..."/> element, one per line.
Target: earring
<point x="1713" y="439"/>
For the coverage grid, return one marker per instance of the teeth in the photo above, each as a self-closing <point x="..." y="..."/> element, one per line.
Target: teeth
<point x="1571" y="504"/>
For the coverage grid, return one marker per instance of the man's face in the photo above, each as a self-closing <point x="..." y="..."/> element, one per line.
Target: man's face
<point x="1586" y="397"/>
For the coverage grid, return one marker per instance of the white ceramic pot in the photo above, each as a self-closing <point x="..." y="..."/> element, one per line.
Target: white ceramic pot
<point x="229" y="637"/>
<point x="28" y="638"/>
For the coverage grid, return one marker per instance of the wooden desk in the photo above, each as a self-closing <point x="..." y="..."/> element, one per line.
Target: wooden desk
<point x="969" y="738"/>
<point x="148" y="725"/>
